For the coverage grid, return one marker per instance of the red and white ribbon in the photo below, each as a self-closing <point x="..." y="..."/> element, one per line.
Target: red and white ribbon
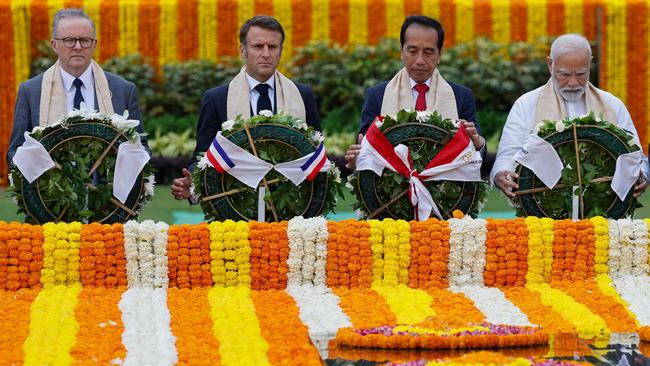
<point x="458" y="160"/>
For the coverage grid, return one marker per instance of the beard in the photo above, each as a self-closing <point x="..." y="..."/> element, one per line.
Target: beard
<point x="569" y="94"/>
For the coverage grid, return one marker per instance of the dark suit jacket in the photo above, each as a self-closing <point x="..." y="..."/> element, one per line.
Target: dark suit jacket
<point x="214" y="112"/>
<point x="124" y="95"/>
<point x="465" y="104"/>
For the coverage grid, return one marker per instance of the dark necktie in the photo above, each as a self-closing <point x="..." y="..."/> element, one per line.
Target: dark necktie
<point x="78" y="98"/>
<point x="264" y="102"/>
<point x="421" y="102"/>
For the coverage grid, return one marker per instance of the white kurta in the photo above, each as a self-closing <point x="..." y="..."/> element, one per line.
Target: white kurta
<point x="521" y="121"/>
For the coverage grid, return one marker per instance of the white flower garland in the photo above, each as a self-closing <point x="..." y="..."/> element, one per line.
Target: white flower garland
<point x="628" y="265"/>
<point x="319" y="310"/>
<point x="145" y="246"/>
<point x="147" y="335"/>
<point x="307" y="251"/>
<point x="494" y="305"/>
<point x="467" y="251"/>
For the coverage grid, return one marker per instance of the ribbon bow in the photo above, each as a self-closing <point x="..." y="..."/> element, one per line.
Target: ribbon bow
<point x="225" y="156"/>
<point x="458" y="160"/>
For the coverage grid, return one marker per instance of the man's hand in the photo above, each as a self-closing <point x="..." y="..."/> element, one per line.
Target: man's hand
<point x="181" y="186"/>
<point x="477" y="139"/>
<point x="503" y="181"/>
<point x="640" y="186"/>
<point x="351" y="154"/>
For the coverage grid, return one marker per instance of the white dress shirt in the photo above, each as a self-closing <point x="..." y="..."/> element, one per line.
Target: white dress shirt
<point x="87" y="90"/>
<point x="255" y="95"/>
<point x="415" y="92"/>
<point x="521" y="121"/>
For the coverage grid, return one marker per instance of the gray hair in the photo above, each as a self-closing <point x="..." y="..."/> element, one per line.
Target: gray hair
<point x="567" y="43"/>
<point x="70" y="13"/>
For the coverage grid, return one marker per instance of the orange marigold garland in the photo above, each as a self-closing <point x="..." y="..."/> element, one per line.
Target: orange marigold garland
<point x="349" y="257"/>
<point x="573" y="250"/>
<point x="429" y="253"/>
<point x="530" y="303"/>
<point x="192" y="326"/>
<point x="102" y="257"/>
<point x="287" y="336"/>
<point x="269" y="253"/>
<point x="614" y="314"/>
<point x="454" y="309"/>
<point x="364" y="307"/>
<point x="188" y="252"/>
<point x="21" y="255"/>
<point x="16" y="309"/>
<point x="506" y="253"/>
<point x="644" y="333"/>
<point x="99" y="337"/>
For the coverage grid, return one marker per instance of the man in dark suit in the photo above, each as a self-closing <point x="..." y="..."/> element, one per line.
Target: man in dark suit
<point x="73" y="79"/>
<point x="419" y="86"/>
<point x="258" y="87"/>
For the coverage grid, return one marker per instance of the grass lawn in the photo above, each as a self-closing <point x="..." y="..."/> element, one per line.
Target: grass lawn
<point x="163" y="206"/>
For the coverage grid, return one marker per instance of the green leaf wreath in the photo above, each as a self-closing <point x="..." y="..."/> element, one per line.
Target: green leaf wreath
<point x="277" y="138"/>
<point x="386" y="196"/>
<point x="77" y="143"/>
<point x="599" y="143"/>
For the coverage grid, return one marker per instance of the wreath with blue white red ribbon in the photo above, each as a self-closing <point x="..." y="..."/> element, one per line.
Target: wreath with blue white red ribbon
<point x="270" y="167"/>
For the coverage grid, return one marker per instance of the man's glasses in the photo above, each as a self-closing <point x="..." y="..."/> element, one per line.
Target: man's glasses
<point x="70" y="42"/>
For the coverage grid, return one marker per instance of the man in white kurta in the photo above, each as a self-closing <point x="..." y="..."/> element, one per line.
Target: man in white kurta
<point x="567" y="94"/>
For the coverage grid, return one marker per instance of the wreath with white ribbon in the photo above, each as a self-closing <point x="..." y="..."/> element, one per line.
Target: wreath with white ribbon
<point x="416" y="165"/>
<point x="267" y="168"/>
<point x="578" y="168"/>
<point x="88" y="167"/>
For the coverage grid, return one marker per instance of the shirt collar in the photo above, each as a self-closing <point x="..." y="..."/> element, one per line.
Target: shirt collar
<point x="252" y="82"/>
<point x="86" y="77"/>
<point x="414" y="83"/>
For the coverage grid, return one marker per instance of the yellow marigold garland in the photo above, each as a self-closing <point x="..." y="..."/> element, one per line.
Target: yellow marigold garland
<point x="61" y="253"/>
<point x="410" y="306"/>
<point x="601" y="231"/>
<point x="230" y="252"/>
<point x="540" y="249"/>
<point x="390" y="241"/>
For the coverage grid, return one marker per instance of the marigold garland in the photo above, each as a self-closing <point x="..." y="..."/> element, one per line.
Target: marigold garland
<point x="410" y="306"/>
<point x="390" y="242"/>
<point x="21" y="255"/>
<point x="188" y="252"/>
<point x="601" y="232"/>
<point x="349" y="257"/>
<point x="102" y="258"/>
<point x="230" y="252"/>
<point x="60" y="253"/>
<point x="269" y="253"/>
<point x="354" y="302"/>
<point x="453" y="308"/>
<point x="192" y="326"/>
<point x="644" y="333"/>
<point x="429" y="253"/>
<point x="100" y="326"/>
<point x="506" y="253"/>
<point x="287" y="336"/>
<point x="573" y="250"/>
<point x="53" y="327"/>
<point x="540" y="249"/>
<point x="530" y="302"/>
<point x="15" y="307"/>
<point x="233" y="312"/>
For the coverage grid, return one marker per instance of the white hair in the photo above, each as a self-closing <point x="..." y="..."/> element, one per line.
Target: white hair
<point x="567" y="43"/>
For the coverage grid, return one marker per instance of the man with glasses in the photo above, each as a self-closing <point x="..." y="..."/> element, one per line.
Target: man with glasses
<point x="73" y="79"/>
<point x="568" y="93"/>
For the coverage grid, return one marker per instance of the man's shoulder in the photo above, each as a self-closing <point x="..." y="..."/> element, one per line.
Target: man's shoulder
<point x="303" y="88"/>
<point x="459" y="89"/>
<point x="217" y="92"/>
<point x="33" y="83"/>
<point x="117" y="80"/>
<point x="529" y="97"/>
<point x="378" y="88"/>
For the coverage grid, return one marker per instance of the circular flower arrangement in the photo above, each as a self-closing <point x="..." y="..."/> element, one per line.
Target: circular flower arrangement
<point x="588" y="147"/>
<point x="471" y="336"/>
<point x="275" y="139"/>
<point x="84" y="146"/>
<point x="425" y="134"/>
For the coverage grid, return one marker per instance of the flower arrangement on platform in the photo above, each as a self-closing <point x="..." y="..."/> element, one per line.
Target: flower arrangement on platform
<point x="83" y="147"/>
<point x="483" y="335"/>
<point x="268" y="142"/>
